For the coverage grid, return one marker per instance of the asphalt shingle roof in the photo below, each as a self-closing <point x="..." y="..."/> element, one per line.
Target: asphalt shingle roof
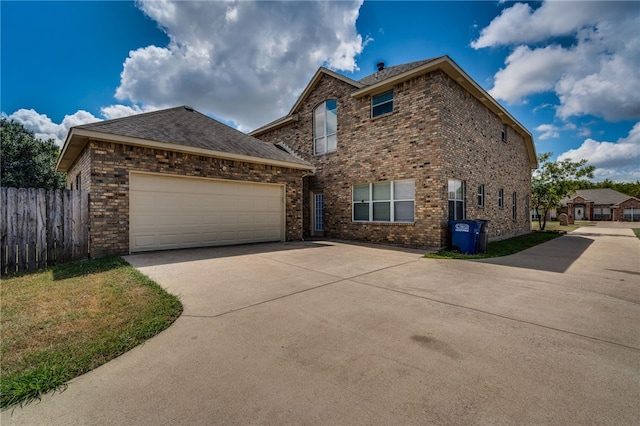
<point x="387" y="73"/>
<point x="185" y="126"/>
<point x="602" y="196"/>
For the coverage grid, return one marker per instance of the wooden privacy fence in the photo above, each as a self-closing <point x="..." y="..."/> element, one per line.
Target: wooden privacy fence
<point x="41" y="227"/>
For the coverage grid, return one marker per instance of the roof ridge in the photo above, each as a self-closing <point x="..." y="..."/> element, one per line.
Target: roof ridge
<point x="392" y="71"/>
<point x="146" y="113"/>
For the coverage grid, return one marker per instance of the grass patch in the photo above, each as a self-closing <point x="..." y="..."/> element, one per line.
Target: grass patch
<point x="637" y="232"/>
<point x="64" y="321"/>
<point x="500" y="248"/>
<point x="555" y="225"/>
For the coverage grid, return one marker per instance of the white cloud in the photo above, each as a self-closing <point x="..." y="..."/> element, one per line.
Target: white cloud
<point x="242" y="61"/>
<point x="44" y="128"/>
<point x="618" y="161"/>
<point x="118" y="111"/>
<point x="596" y="74"/>
<point x="547" y="131"/>
<point x="551" y="131"/>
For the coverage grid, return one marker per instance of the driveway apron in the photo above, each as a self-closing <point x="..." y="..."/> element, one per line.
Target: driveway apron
<point x="327" y="332"/>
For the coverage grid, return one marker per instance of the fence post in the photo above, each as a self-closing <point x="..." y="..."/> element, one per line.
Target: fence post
<point x="41" y="228"/>
<point x="67" y="229"/>
<point x="12" y="229"/>
<point x="30" y="213"/>
<point x="3" y="232"/>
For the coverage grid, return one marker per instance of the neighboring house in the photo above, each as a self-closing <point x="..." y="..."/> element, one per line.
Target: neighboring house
<point x="601" y="204"/>
<point x="176" y="178"/>
<point x="403" y="151"/>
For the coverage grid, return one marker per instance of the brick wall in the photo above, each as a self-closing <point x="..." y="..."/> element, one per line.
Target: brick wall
<point x="81" y="167"/>
<point x="475" y="152"/>
<point x="108" y="185"/>
<point x="631" y="203"/>
<point x="436" y="131"/>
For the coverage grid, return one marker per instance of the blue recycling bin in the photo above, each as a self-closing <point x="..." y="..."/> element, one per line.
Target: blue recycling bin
<point x="464" y="235"/>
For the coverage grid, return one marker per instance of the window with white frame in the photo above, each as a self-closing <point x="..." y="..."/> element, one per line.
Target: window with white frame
<point x="480" y="195"/>
<point x="456" y="199"/>
<point x="600" y="213"/>
<point x="514" y="206"/>
<point x="504" y="133"/>
<point x="384" y="201"/>
<point x="501" y="198"/>
<point x="631" y="214"/>
<point x="325" y="127"/>
<point x="382" y="104"/>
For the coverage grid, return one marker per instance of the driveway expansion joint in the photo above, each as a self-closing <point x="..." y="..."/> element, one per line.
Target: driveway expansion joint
<point x="633" y="348"/>
<point x="262" y="302"/>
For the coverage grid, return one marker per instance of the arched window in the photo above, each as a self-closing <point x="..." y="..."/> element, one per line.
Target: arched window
<point x="325" y="126"/>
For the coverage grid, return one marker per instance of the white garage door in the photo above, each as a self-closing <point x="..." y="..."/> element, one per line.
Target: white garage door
<point x="179" y="212"/>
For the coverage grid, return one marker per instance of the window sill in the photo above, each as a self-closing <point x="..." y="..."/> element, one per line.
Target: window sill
<point x="325" y="153"/>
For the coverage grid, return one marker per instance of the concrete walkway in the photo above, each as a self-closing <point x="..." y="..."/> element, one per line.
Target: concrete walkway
<point x="332" y="333"/>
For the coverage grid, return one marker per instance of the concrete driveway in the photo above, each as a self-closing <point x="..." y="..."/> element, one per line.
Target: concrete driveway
<point x="325" y="332"/>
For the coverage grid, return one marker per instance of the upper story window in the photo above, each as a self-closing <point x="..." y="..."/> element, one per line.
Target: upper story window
<point x="382" y="104"/>
<point x="325" y="127"/>
<point x="504" y="133"/>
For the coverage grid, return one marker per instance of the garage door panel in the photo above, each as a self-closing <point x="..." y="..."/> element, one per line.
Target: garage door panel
<point x="176" y="212"/>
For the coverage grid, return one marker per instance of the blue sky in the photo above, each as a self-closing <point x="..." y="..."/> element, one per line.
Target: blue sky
<point x="567" y="70"/>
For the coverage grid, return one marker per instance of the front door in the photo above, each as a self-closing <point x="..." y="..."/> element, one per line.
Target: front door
<point x="317" y="226"/>
<point x="579" y="213"/>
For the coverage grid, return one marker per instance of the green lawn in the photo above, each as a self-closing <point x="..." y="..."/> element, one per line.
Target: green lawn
<point x="555" y="225"/>
<point x="69" y="319"/>
<point x="500" y="248"/>
<point x="637" y="232"/>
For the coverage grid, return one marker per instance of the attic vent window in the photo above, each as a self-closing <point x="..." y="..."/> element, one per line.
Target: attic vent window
<point x="188" y="108"/>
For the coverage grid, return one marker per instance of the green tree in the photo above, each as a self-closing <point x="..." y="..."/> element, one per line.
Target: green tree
<point x="27" y="162"/>
<point x="553" y="181"/>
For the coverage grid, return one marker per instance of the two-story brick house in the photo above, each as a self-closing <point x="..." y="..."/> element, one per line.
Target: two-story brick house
<point x="403" y="151"/>
<point x="389" y="159"/>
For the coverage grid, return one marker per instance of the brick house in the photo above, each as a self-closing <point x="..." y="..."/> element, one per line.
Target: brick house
<point x="387" y="159"/>
<point x="403" y="151"/>
<point x="176" y="178"/>
<point x="601" y="204"/>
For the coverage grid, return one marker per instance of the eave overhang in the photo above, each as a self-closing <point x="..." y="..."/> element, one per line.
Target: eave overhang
<point x="78" y="138"/>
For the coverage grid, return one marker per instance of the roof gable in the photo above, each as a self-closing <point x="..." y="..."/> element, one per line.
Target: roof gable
<point x="386" y="78"/>
<point x="381" y="81"/>
<point x="292" y="115"/>
<point x="181" y="128"/>
<point x="316" y="78"/>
